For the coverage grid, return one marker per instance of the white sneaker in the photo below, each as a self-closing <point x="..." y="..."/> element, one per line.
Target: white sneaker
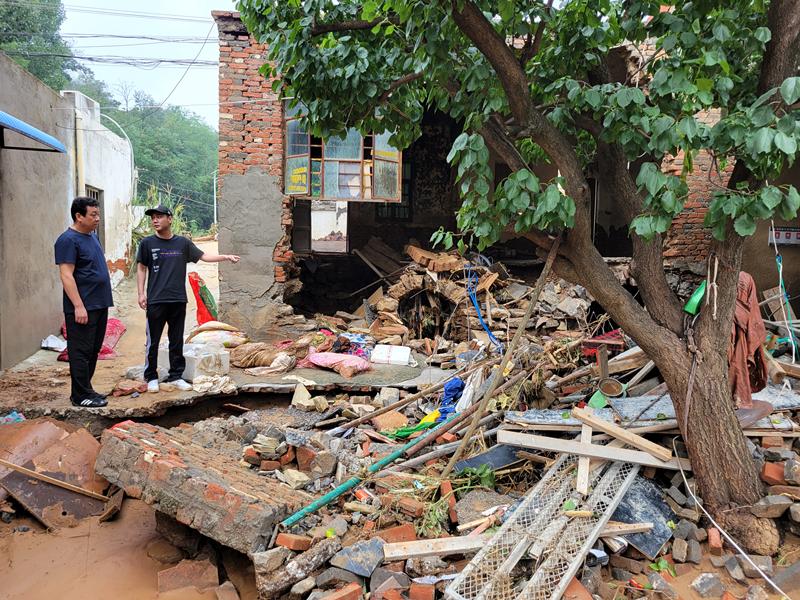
<point x="182" y="385"/>
<point x="152" y="386"/>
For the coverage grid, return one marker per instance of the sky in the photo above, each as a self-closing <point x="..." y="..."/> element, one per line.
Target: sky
<point x="197" y="90"/>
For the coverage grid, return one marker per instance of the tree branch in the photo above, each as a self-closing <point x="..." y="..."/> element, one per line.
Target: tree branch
<point x="532" y="49"/>
<point x="648" y="258"/>
<point x="397" y="83"/>
<point x="354" y="25"/>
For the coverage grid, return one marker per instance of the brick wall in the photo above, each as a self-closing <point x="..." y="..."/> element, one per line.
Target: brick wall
<point x="251" y="121"/>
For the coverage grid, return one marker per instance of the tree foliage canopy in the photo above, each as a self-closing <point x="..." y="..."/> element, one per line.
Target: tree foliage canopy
<point x="528" y="77"/>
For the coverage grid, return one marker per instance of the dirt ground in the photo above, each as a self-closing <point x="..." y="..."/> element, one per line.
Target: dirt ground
<point x="43" y="382"/>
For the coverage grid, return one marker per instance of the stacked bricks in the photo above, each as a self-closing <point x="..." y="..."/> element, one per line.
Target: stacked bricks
<point x="251" y="129"/>
<point x="196" y="485"/>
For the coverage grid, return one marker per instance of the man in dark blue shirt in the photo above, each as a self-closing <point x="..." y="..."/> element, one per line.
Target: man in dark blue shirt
<point x="162" y="262"/>
<point x="87" y="296"/>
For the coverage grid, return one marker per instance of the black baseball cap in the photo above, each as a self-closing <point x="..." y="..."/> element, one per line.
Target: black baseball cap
<point x="164" y="210"/>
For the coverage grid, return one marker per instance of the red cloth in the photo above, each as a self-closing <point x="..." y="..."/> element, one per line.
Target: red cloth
<point x="114" y="330"/>
<point x="747" y="365"/>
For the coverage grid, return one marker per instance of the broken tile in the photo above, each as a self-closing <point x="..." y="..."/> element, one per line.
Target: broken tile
<point x="361" y="558"/>
<point x="708" y="585"/>
<point x="762" y="562"/>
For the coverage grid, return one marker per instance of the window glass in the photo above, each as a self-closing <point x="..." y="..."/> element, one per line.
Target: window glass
<point x="296" y="138"/>
<point x="296" y="176"/>
<point x="347" y="147"/>
<point x="385" y="179"/>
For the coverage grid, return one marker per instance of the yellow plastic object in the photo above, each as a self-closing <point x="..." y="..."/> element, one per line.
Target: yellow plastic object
<point x="431" y="418"/>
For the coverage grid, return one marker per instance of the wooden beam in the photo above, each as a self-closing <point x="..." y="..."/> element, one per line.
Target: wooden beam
<point x="618" y="432"/>
<point x="434" y="547"/>
<point x="53" y="481"/>
<point x="540" y="442"/>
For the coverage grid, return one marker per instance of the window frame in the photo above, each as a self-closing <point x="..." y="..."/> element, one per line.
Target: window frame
<point x="366" y="167"/>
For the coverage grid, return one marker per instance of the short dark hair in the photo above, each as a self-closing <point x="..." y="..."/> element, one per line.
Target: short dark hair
<point x="80" y="204"/>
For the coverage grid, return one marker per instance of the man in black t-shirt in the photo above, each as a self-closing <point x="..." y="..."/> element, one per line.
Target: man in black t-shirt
<point x="162" y="262"/>
<point x="87" y="296"/>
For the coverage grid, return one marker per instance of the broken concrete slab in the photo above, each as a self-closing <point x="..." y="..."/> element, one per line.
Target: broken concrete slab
<point x="335" y="577"/>
<point x="270" y="560"/>
<point x="303" y="587"/>
<point x="694" y="552"/>
<point x="708" y="585"/>
<point x="388" y="396"/>
<point x="362" y="558"/>
<point x="756" y="592"/>
<point x="680" y="548"/>
<point x="381" y="575"/>
<point x="301" y="566"/>
<point x="779" y="454"/>
<point x="771" y="507"/>
<point x="475" y="502"/>
<point x="660" y="585"/>
<point x="791" y="471"/>
<point x="734" y="570"/>
<point x="196" y="485"/>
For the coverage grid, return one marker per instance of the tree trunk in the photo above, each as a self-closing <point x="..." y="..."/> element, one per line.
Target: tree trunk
<point x="726" y="474"/>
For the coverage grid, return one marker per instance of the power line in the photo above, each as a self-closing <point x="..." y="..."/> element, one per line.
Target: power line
<point x="110" y="12"/>
<point x="126" y="60"/>
<point x="165" y="38"/>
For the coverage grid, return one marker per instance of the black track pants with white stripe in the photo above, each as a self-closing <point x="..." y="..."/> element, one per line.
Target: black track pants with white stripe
<point x="173" y="315"/>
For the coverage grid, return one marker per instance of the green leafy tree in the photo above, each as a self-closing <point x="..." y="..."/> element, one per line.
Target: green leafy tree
<point x="29" y="35"/>
<point x="175" y="152"/>
<point x="525" y="78"/>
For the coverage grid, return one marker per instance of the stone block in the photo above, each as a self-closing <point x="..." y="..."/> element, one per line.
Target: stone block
<point x="301" y="399"/>
<point x="677" y="495"/>
<point x="791" y="472"/>
<point x="771" y="507"/>
<point x="661" y="587"/>
<point x="621" y="574"/>
<point x="778" y="454"/>
<point x="756" y="592"/>
<point x="200" y="574"/>
<point x="683" y="529"/>
<point x="380" y="576"/>
<point x="388" y="396"/>
<point x="763" y="562"/>
<point x="389" y="421"/>
<point x="334" y="577"/>
<point x="622" y="562"/>
<point x="794" y="512"/>
<point x="708" y="585"/>
<point x="679" y="550"/>
<point x="296" y="543"/>
<point x="303" y="587"/>
<point x="695" y="552"/>
<point x="362" y="558"/>
<point x="699" y="534"/>
<point x="320" y="403"/>
<point x="295" y="479"/>
<point x="719" y="561"/>
<point x="270" y="560"/>
<point x="773" y="474"/>
<point x="400" y="533"/>
<point x="323" y="464"/>
<point x="734" y="570"/>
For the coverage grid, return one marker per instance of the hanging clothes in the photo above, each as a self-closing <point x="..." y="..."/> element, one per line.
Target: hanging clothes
<point x="747" y="365"/>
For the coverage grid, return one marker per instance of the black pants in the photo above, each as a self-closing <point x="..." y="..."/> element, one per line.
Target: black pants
<point x="173" y="315"/>
<point x="83" y="345"/>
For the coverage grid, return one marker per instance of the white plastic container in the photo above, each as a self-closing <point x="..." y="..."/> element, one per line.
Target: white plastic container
<point x="384" y="354"/>
<point x="201" y="359"/>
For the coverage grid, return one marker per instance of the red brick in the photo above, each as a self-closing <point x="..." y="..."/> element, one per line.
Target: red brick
<point x="369" y="526"/>
<point x="298" y="543"/>
<point x="251" y="456"/>
<point x="728" y="596"/>
<point x="393" y="594"/>
<point x="188" y="573"/>
<point x="401" y="533"/>
<point x="352" y="591"/>
<point x="288" y="457"/>
<point x="270" y="465"/>
<point x="411" y="506"/>
<point x="421" y="591"/>
<point x="714" y="541"/>
<point x="772" y="473"/>
<point x="398" y="566"/>
<point x="304" y="457"/>
<point x="772" y="441"/>
<point x="447" y="438"/>
<point x="446" y="491"/>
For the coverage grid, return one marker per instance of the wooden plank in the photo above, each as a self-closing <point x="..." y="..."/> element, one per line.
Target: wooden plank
<point x="539" y="442"/>
<point x="372" y="300"/>
<point x="790" y="369"/>
<point x="626" y="436"/>
<point x="582" y="479"/>
<point x="615" y="528"/>
<point x="434" y="547"/>
<point x="360" y="255"/>
<point x="641" y="374"/>
<point x="602" y="360"/>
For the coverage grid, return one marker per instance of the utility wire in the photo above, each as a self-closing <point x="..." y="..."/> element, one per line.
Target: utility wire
<point x="109" y="11"/>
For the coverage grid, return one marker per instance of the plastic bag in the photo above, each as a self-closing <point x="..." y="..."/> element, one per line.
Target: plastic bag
<point x="206" y="305"/>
